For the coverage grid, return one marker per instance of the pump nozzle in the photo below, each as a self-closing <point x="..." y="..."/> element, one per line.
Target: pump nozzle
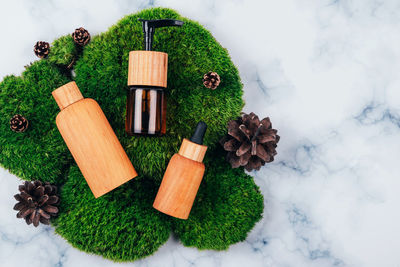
<point x="149" y="28"/>
<point x="199" y="133"/>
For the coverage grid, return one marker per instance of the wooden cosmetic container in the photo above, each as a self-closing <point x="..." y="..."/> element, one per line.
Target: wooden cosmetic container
<point x="91" y="140"/>
<point x="183" y="176"/>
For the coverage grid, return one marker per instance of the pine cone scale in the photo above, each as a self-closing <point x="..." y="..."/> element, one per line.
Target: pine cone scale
<point x="18" y="197"/>
<point x="25" y="196"/>
<point x="236" y="134"/>
<point x="52" y="200"/>
<point x="48" y="189"/>
<point x="244" y="159"/>
<point x="266" y="123"/>
<point x="234" y="160"/>
<point x="245" y="131"/>
<point x="19" y="214"/>
<point x="18" y="206"/>
<point x="35" y="218"/>
<point x="43" y="200"/>
<point x="262" y="154"/>
<point x="243" y="149"/>
<point x="39" y="192"/>
<point x="24" y="212"/>
<point x="266" y="138"/>
<point x="231" y="145"/>
<point x="234" y="131"/>
<point x="30" y="203"/>
<point x="50" y="209"/>
<point x="44" y="221"/>
<point x="44" y="214"/>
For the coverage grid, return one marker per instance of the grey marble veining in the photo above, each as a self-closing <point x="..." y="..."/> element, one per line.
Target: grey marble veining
<point x="327" y="74"/>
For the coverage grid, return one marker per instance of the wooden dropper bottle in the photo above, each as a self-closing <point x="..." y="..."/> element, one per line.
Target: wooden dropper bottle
<point x="91" y="140"/>
<point x="146" y="106"/>
<point x="183" y="176"/>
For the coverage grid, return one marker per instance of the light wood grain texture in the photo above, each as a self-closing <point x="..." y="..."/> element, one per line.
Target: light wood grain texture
<point x="67" y="94"/>
<point x="179" y="187"/>
<point x="94" y="146"/>
<point x="148" y="68"/>
<point x="192" y="150"/>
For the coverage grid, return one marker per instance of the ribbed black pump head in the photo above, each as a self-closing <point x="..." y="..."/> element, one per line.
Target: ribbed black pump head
<point x="199" y="133"/>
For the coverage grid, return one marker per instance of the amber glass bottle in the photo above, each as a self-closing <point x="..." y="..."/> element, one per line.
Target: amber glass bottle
<point x="146" y="111"/>
<point x="146" y="106"/>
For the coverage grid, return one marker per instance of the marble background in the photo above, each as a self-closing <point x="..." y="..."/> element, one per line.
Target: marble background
<point x="326" y="72"/>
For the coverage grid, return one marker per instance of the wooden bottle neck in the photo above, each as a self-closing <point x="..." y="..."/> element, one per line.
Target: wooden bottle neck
<point x="67" y="94"/>
<point x="192" y="150"/>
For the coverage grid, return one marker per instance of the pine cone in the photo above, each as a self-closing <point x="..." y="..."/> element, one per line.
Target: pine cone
<point x="250" y="142"/>
<point x="18" y="123"/>
<point x="41" y="49"/>
<point x="211" y="80"/>
<point x="38" y="202"/>
<point x="81" y="36"/>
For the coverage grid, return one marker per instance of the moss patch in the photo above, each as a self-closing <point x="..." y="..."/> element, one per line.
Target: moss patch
<point x="63" y="51"/>
<point x="39" y="152"/>
<point x="122" y="225"/>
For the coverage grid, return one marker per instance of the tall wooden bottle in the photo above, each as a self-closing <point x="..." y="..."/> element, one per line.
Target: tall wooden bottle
<point x="183" y="176"/>
<point x="91" y="140"/>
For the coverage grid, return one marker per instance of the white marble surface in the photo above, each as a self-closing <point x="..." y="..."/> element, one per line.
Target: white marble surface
<point x="326" y="72"/>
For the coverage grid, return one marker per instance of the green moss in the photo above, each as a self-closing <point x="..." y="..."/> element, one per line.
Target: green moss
<point x="63" y="51"/>
<point x="122" y="225"/>
<point x="226" y="208"/>
<point x="39" y="152"/>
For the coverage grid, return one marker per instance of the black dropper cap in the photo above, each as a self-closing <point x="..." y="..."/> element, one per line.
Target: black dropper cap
<point x="149" y="28"/>
<point x="199" y="133"/>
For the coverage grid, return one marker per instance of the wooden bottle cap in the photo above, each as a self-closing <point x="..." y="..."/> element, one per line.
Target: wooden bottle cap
<point x="148" y="68"/>
<point x="192" y="150"/>
<point x="67" y="94"/>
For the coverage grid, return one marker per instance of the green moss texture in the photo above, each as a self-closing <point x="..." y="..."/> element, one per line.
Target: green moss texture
<point x="122" y="225"/>
<point x="38" y="153"/>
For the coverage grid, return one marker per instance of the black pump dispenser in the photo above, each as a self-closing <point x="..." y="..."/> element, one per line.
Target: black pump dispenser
<point x="199" y="133"/>
<point x="149" y="27"/>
